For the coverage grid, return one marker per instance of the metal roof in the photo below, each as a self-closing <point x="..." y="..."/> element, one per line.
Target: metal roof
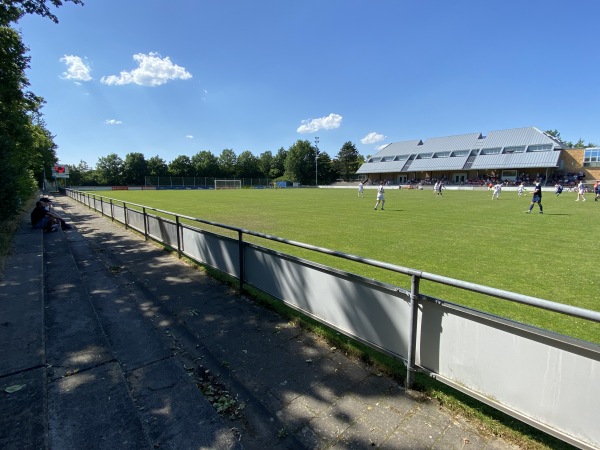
<point x="517" y="160"/>
<point x="437" y="153"/>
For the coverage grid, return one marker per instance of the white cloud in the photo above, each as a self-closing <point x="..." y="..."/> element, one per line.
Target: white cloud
<point x="112" y="122"/>
<point x="381" y="147"/>
<point x="372" y="138"/>
<point x="152" y="70"/>
<point x="324" y="123"/>
<point x="189" y="136"/>
<point x="77" y="69"/>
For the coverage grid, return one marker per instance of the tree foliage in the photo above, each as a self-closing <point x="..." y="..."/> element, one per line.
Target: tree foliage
<point x="205" y="164"/>
<point x="300" y="163"/>
<point x="568" y="144"/>
<point x="347" y="161"/>
<point x="135" y="169"/>
<point x="157" y="167"/>
<point x="110" y="169"/>
<point x="27" y="149"/>
<point x="227" y="163"/>
<point x="181" y="167"/>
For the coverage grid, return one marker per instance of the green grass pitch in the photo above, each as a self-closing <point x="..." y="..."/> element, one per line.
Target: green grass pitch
<point x="464" y="235"/>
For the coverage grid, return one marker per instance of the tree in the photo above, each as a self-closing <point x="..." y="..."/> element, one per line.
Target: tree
<point x="247" y="165"/>
<point x="278" y="165"/>
<point x="227" y="163"/>
<point x="300" y="162"/>
<point x="568" y="144"/>
<point x="181" y="167"/>
<point x="347" y="161"/>
<point x="327" y="172"/>
<point x="135" y="169"/>
<point x="110" y="169"/>
<point x="157" y="167"/>
<point x="26" y="147"/>
<point x="205" y="164"/>
<point x="265" y="162"/>
<point x="15" y="9"/>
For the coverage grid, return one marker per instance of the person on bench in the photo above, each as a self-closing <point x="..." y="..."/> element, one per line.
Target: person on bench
<point x="40" y="218"/>
<point x="47" y="203"/>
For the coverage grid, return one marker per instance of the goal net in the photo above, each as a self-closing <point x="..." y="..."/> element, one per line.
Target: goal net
<point x="228" y="184"/>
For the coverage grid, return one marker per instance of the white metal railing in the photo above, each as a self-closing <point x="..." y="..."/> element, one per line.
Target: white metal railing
<point x="540" y="377"/>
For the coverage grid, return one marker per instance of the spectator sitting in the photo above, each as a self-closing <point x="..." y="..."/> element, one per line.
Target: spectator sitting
<point x="40" y="218"/>
<point x="47" y="203"/>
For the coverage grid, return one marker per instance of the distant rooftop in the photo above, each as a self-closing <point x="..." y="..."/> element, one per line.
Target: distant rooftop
<point x="514" y="148"/>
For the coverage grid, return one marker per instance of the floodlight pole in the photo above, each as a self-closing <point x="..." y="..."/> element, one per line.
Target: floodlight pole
<point x="316" y="161"/>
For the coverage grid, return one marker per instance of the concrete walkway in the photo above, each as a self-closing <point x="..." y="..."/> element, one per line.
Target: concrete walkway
<point x="109" y="342"/>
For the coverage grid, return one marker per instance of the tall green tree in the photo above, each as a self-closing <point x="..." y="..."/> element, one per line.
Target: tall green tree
<point x="135" y="169"/>
<point x="300" y="164"/>
<point x="227" y="163"/>
<point x="205" y="164"/>
<point x="110" y="169"/>
<point x="347" y="161"/>
<point x="327" y="172"/>
<point x="181" y="167"/>
<point x="265" y="161"/>
<point x="157" y="167"/>
<point x="26" y="147"/>
<point x="278" y="165"/>
<point x="247" y="165"/>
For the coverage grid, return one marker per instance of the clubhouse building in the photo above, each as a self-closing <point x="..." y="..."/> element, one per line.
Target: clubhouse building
<point x="512" y="156"/>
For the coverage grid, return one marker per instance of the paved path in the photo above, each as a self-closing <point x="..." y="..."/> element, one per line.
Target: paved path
<point x="110" y="342"/>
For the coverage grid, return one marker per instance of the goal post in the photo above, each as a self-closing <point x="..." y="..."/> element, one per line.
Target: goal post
<point x="228" y="184"/>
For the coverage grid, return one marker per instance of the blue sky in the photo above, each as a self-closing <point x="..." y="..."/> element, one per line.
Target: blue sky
<point x="176" y="77"/>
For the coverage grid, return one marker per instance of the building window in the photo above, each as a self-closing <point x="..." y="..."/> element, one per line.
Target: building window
<point x="591" y="157"/>
<point x="425" y="155"/>
<point x="491" y="151"/>
<point x="441" y="155"/>
<point x="460" y="153"/>
<point x="516" y="149"/>
<point x="400" y="157"/>
<point x="539" y="148"/>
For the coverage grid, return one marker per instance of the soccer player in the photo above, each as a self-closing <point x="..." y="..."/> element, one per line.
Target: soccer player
<point x="361" y="189"/>
<point x="497" y="191"/>
<point x="581" y="191"/>
<point x="438" y="187"/>
<point x="380" y="197"/>
<point x="597" y="191"/>
<point x="520" y="189"/>
<point x="537" y="197"/>
<point x="558" y="188"/>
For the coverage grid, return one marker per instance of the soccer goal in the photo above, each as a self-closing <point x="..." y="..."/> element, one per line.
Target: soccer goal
<point x="228" y="184"/>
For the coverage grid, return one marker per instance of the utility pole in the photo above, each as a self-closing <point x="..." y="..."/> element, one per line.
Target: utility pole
<point x="316" y="161"/>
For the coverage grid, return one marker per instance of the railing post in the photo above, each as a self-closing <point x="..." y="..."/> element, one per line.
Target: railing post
<point x="125" y="216"/>
<point x="412" y="345"/>
<point x="178" y="237"/>
<point x="241" y="257"/>
<point x="145" y="223"/>
<point x="112" y="211"/>
<point x="101" y="206"/>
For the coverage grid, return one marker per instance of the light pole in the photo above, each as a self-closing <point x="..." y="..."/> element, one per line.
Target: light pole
<point x="316" y="161"/>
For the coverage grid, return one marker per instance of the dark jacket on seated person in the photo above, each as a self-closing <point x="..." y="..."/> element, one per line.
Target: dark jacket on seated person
<point x="39" y="217"/>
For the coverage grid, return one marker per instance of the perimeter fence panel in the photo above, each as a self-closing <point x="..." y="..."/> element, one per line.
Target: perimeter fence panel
<point x="162" y="230"/>
<point x="135" y="220"/>
<point x="217" y="251"/>
<point x="368" y="311"/>
<point x="542" y="378"/>
<point x="119" y="213"/>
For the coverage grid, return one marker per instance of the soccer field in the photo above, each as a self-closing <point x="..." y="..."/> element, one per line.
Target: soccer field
<point x="464" y="235"/>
